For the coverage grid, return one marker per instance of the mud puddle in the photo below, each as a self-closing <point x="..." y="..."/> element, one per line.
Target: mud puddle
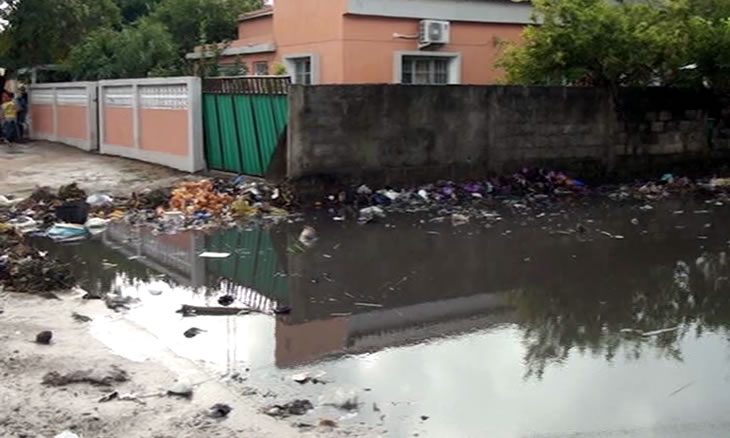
<point x="605" y="321"/>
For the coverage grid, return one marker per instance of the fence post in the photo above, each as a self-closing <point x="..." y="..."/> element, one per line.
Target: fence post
<point x="54" y="136"/>
<point x="195" y="123"/>
<point x="135" y="115"/>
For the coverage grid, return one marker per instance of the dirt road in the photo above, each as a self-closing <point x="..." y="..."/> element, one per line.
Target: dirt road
<point x="29" y="408"/>
<point x="26" y="166"/>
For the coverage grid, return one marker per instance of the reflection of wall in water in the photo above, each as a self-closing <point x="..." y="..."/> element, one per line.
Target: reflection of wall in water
<point x="584" y="283"/>
<point x="388" y="327"/>
<point x="175" y="255"/>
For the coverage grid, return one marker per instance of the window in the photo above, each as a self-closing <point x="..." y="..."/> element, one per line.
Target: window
<point x="237" y="69"/>
<point x="261" y="68"/>
<point x="423" y="70"/>
<point x="427" y="68"/>
<point x="302" y="70"/>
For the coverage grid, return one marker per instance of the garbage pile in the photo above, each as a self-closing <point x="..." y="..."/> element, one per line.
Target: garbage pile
<point x="25" y="269"/>
<point x="207" y="204"/>
<point x="63" y="216"/>
<point x="522" y="184"/>
<point x="523" y="192"/>
<point x="70" y="214"/>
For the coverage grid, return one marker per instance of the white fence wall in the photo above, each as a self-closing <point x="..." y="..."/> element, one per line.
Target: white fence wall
<point x="66" y="113"/>
<point x="156" y="120"/>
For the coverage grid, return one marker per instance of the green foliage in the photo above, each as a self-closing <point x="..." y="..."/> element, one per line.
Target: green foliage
<point x="134" y="9"/>
<point x="613" y="44"/>
<point x="143" y="49"/>
<point x="238" y="68"/>
<point x="710" y="49"/>
<point x="597" y="42"/>
<point x="195" y="22"/>
<point x="279" y="69"/>
<point x="44" y="31"/>
<point x="114" y="38"/>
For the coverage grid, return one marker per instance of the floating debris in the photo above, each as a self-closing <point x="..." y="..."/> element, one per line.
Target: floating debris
<point x="188" y="310"/>
<point x="215" y="255"/>
<point x="192" y="332"/>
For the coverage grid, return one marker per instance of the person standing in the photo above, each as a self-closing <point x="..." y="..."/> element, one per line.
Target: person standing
<point x="10" y="116"/>
<point x="21" y="104"/>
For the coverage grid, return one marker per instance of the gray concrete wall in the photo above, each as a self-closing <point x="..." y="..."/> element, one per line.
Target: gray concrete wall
<point x="395" y="133"/>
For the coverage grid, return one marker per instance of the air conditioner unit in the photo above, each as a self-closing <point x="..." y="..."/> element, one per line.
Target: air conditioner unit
<point x="433" y="32"/>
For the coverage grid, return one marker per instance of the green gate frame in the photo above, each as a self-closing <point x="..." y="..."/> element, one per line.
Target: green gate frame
<point x="244" y="118"/>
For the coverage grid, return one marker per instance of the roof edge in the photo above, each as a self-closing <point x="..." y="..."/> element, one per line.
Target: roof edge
<point x="263" y="12"/>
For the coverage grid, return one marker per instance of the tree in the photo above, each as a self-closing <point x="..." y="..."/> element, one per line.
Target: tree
<point x="710" y="49"/>
<point x="132" y="10"/>
<point x="44" y="31"/>
<point x="140" y="50"/>
<point x="600" y="43"/>
<point x="610" y="44"/>
<point x="195" y="22"/>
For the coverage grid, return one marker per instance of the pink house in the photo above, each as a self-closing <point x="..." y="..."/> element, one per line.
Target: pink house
<point x="378" y="41"/>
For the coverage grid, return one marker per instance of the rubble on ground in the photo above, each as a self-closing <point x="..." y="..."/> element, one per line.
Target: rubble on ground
<point x="529" y="191"/>
<point x="25" y="269"/>
<point x="71" y="214"/>
<point x="215" y="203"/>
<point x="295" y="407"/>
<point x="91" y="376"/>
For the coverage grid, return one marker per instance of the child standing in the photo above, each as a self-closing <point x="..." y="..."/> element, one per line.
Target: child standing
<point x="10" y="116"/>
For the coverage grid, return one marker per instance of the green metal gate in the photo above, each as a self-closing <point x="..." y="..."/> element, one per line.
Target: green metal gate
<point x="244" y="118"/>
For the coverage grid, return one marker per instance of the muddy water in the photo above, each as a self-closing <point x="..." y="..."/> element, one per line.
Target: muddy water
<point x="604" y="321"/>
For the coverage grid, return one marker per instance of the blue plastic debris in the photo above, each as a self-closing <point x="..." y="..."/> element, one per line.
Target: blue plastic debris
<point x="67" y="233"/>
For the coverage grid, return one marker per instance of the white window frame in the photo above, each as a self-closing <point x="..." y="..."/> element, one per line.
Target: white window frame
<point x="454" y="69"/>
<point x="255" y="65"/>
<point x="313" y="62"/>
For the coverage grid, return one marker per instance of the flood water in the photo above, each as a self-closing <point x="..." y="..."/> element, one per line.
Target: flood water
<point x="520" y="328"/>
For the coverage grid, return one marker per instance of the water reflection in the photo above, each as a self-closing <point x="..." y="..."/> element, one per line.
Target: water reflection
<point x="363" y="289"/>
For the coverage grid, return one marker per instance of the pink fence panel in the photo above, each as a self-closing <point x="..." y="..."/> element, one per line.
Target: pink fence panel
<point x="158" y="120"/>
<point x="66" y="113"/>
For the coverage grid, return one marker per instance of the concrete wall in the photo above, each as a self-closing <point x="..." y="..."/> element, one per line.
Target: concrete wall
<point x="155" y="120"/>
<point x="409" y="133"/>
<point x="64" y="112"/>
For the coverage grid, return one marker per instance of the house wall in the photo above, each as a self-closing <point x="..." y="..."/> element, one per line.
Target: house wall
<point x="259" y="29"/>
<point x="249" y="61"/>
<point x="353" y="41"/>
<point x="485" y="11"/>
<point x="369" y="48"/>
<point x="401" y="134"/>
<point x="312" y="26"/>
